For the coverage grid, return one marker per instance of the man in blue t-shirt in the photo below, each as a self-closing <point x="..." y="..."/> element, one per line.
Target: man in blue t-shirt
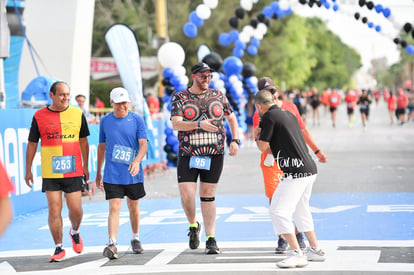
<point x="122" y="146"/>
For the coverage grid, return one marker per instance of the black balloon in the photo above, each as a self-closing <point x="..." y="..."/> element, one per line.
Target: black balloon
<point x="310" y="4"/>
<point x="249" y="69"/>
<point x="253" y="23"/>
<point x="396" y="40"/>
<point x="169" y="89"/>
<point x="214" y="60"/>
<point x="168" y="148"/>
<point x="370" y="5"/>
<point x="412" y="34"/>
<point x="303" y="2"/>
<point x="239" y="13"/>
<point x="361" y="3"/>
<point x="364" y="20"/>
<point x="403" y="43"/>
<point x="172" y="157"/>
<point x="165" y="81"/>
<point x="234" y="22"/>
<point x="356" y="15"/>
<point x="260" y="17"/>
<point x="267" y="22"/>
<point x="319" y="3"/>
<point x="407" y="27"/>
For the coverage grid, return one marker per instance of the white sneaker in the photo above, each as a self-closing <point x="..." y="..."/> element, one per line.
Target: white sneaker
<point x="315" y="254"/>
<point x="295" y="259"/>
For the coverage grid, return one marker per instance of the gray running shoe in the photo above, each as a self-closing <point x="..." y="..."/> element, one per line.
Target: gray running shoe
<point x="301" y="241"/>
<point x="281" y="246"/>
<point x="111" y="252"/>
<point x="194" y="236"/>
<point x="136" y="246"/>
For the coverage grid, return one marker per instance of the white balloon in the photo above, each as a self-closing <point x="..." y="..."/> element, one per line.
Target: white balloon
<point x="248" y="29"/>
<point x="215" y="76"/>
<point x="219" y="84"/>
<point x="233" y="79"/>
<point x="258" y="35"/>
<point x="203" y="11"/>
<point x="244" y="37"/>
<point x="171" y="55"/>
<point x="283" y="4"/>
<point x="262" y="28"/>
<point x="179" y="70"/>
<point x="223" y="90"/>
<point x="246" y="4"/>
<point x="184" y="80"/>
<point x="212" y="4"/>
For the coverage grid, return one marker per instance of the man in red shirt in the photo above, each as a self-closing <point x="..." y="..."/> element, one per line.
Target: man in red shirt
<point x="402" y="103"/>
<point x="6" y="186"/>
<point x="350" y="100"/>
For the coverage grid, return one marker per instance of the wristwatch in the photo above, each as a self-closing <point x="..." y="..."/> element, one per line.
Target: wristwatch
<point x="236" y="140"/>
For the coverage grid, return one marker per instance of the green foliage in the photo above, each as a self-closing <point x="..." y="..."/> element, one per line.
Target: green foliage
<point x="295" y="51"/>
<point x="102" y="89"/>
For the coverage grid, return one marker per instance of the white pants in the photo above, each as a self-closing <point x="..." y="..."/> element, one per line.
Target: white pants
<point x="291" y="200"/>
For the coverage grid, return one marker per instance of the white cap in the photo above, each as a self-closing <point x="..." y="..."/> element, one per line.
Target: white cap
<point x="119" y="95"/>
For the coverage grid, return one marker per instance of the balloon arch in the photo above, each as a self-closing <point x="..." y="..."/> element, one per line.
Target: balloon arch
<point x="232" y="77"/>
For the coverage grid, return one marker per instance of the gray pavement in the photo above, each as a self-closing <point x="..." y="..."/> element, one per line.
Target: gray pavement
<point x="378" y="159"/>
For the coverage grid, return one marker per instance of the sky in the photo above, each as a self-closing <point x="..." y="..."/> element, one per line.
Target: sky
<point x="369" y="43"/>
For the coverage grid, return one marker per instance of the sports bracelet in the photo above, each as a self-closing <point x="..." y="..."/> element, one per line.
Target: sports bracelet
<point x="317" y="151"/>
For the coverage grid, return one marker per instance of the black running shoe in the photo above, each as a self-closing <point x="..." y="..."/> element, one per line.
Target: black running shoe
<point x="211" y="246"/>
<point x="301" y="241"/>
<point x="194" y="236"/>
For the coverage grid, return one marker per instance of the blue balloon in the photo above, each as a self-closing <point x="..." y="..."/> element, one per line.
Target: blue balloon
<point x="378" y="8"/>
<point x="224" y="39"/>
<point x="233" y="35"/>
<point x="386" y="12"/>
<point x="240" y="44"/>
<point x="252" y="50"/>
<point x="168" y="73"/>
<point x="232" y="65"/>
<point x="335" y="7"/>
<point x="275" y="6"/>
<point x="268" y="12"/>
<point x="190" y="29"/>
<point x="280" y="13"/>
<point x="378" y="28"/>
<point x="238" y="52"/>
<point x="175" y="81"/>
<point x="409" y="49"/>
<point x="255" y="42"/>
<point x="195" y="19"/>
<point x="326" y="5"/>
<point x="370" y="25"/>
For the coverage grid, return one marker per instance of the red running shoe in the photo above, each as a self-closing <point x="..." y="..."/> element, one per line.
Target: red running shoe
<point x="58" y="255"/>
<point x="77" y="243"/>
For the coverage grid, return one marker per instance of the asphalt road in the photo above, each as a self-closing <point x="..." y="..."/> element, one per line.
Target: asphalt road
<point x="369" y="169"/>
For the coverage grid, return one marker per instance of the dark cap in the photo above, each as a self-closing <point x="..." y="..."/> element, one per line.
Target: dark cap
<point x="201" y="68"/>
<point x="266" y="83"/>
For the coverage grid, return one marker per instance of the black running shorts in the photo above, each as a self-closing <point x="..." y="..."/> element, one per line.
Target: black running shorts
<point x="119" y="191"/>
<point x="187" y="174"/>
<point x="67" y="185"/>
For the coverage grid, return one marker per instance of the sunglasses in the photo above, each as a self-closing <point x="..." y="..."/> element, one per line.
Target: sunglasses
<point x="204" y="76"/>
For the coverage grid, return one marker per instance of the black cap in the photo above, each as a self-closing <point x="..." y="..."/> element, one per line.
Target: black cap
<point x="201" y="68"/>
